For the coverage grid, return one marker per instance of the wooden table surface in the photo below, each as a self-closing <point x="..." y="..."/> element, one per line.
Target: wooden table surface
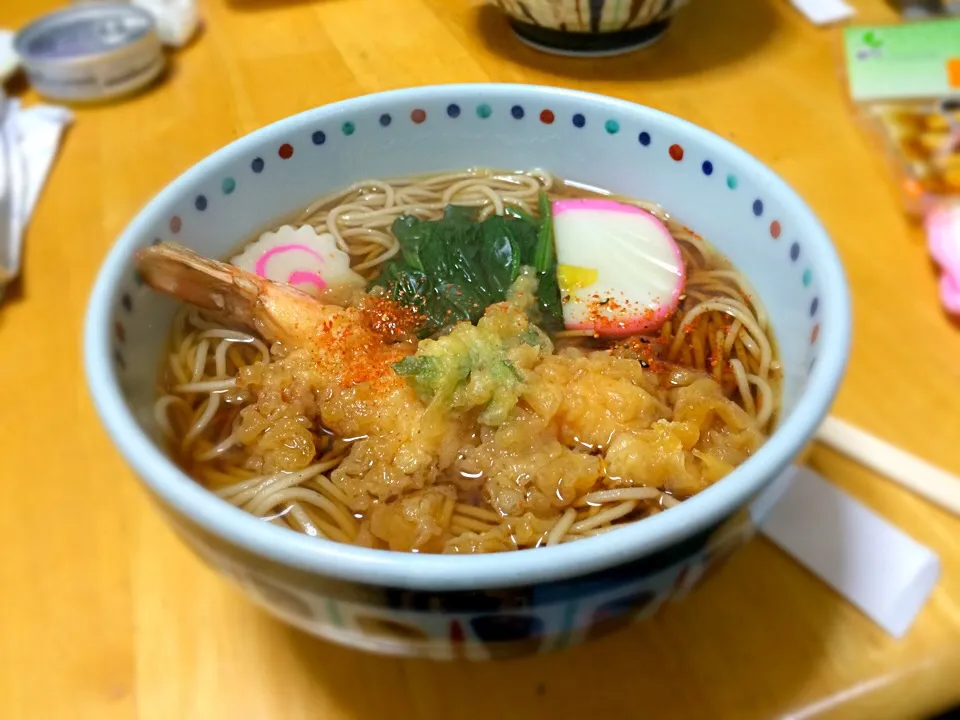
<point x="104" y="614"/>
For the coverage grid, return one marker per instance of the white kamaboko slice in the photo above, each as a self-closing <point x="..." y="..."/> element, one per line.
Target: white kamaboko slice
<point x="300" y="257"/>
<point x="619" y="269"/>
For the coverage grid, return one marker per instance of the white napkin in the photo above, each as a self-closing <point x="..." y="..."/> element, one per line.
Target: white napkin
<point x="874" y="565"/>
<point x="28" y="145"/>
<point x="9" y="60"/>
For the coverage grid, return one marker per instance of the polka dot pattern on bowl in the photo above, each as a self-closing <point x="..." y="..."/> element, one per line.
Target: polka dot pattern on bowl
<point x="706" y="168"/>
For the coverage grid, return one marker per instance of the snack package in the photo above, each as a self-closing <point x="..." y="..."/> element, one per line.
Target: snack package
<point x="905" y="82"/>
<point x="916" y="9"/>
<point x="923" y="141"/>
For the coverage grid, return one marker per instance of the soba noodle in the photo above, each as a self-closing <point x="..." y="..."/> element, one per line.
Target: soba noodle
<point x="720" y="331"/>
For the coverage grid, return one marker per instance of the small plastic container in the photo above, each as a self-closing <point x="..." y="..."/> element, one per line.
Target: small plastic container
<point x="91" y="51"/>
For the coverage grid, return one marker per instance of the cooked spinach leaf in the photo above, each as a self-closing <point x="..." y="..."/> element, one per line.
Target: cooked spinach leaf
<point x="544" y="252"/>
<point x="544" y="262"/>
<point x="451" y="269"/>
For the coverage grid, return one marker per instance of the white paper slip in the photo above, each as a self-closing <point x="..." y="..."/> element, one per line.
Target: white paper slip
<point x="823" y="12"/>
<point x="882" y="571"/>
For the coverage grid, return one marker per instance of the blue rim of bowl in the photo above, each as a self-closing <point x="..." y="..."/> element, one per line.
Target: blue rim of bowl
<point x="456" y="572"/>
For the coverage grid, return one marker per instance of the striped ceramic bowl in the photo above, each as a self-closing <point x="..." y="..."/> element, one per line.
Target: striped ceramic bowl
<point x="592" y="27"/>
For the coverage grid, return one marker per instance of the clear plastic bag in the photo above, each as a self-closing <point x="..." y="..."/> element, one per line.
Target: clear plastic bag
<point x="905" y="83"/>
<point x="922" y="140"/>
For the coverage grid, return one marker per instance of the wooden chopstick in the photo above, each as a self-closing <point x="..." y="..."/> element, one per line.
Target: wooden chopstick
<point x="908" y="471"/>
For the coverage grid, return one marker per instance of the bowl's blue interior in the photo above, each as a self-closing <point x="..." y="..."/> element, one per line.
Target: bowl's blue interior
<point x="721" y="192"/>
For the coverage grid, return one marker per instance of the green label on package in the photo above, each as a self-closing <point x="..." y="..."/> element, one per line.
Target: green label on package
<point x="910" y="61"/>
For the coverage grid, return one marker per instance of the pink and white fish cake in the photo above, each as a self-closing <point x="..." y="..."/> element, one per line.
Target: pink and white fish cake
<point x="619" y="269"/>
<point x="300" y="257"/>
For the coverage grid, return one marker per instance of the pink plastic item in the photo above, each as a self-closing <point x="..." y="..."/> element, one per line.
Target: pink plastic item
<point x="943" y="235"/>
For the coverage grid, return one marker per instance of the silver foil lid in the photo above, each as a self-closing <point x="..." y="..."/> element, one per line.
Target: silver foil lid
<point x="91" y="51"/>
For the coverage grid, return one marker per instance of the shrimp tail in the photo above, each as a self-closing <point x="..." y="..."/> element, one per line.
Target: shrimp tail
<point x="278" y="312"/>
<point x="210" y="285"/>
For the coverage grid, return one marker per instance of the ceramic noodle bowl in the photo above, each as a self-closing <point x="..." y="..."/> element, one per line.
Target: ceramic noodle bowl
<point x="590" y="27"/>
<point x="504" y="604"/>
